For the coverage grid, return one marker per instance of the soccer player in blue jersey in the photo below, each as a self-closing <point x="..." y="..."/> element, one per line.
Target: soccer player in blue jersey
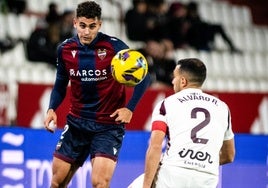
<point x="98" y="111"/>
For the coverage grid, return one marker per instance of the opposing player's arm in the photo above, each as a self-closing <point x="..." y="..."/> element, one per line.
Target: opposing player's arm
<point x="154" y="153"/>
<point x="227" y="152"/>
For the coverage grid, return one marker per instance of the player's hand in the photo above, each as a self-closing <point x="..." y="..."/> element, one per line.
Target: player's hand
<point x="51" y="116"/>
<point x="122" y="115"/>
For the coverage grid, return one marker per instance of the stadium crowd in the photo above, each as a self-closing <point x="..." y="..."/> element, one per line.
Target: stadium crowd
<point x="165" y="27"/>
<point x="161" y="26"/>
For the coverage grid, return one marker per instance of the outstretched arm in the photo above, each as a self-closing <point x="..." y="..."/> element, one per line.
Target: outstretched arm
<point x="138" y="92"/>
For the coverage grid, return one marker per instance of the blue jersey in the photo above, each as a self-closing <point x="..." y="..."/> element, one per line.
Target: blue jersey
<point x="94" y="93"/>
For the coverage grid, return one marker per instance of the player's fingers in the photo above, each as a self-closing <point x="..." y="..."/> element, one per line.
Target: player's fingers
<point x="114" y="114"/>
<point x="46" y="123"/>
<point x="51" y="126"/>
<point x="120" y="119"/>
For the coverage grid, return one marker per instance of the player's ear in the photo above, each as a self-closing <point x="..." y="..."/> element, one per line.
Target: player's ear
<point x="74" y="23"/>
<point x="100" y="23"/>
<point x="183" y="81"/>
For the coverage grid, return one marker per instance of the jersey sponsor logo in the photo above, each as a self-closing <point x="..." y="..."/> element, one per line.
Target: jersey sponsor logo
<point x="101" y="53"/>
<point x="93" y="79"/>
<point x="196" y="164"/>
<point x="89" y="75"/>
<point x="90" y="72"/>
<point x="199" y="155"/>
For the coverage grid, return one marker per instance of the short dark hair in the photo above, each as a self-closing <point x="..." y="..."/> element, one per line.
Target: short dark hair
<point x="88" y="9"/>
<point x="195" y="68"/>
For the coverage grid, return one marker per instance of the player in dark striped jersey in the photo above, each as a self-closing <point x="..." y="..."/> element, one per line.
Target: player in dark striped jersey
<point x="98" y="112"/>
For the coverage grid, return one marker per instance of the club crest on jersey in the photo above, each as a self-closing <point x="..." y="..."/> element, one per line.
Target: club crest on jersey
<point x="102" y="53"/>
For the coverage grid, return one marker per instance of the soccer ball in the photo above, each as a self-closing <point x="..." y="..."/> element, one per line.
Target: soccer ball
<point x="129" y="67"/>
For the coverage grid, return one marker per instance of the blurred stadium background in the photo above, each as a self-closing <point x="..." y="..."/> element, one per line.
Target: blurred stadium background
<point x="239" y="79"/>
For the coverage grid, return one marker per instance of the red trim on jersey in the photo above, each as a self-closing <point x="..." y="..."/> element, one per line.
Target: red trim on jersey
<point x="159" y="125"/>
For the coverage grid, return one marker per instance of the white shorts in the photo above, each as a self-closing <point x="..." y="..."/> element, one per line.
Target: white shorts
<point x="137" y="183"/>
<point x="176" y="177"/>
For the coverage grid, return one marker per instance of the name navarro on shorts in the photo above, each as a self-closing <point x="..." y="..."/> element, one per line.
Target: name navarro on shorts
<point x="197" y="96"/>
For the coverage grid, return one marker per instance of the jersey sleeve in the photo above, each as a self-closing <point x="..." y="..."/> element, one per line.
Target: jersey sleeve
<point x="229" y="132"/>
<point x="160" y="126"/>
<point x="159" y="117"/>
<point x="60" y="87"/>
<point x="139" y="89"/>
<point x="138" y="92"/>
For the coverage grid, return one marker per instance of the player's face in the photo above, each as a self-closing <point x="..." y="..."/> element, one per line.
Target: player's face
<point x="87" y="29"/>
